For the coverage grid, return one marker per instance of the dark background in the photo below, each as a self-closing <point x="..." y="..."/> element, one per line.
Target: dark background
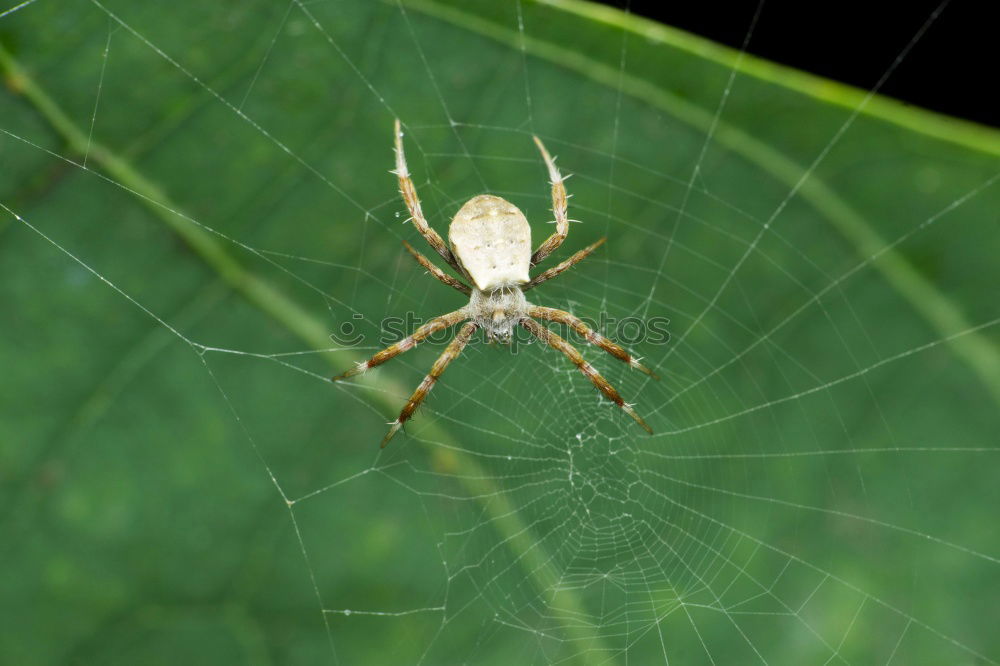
<point x="951" y="69"/>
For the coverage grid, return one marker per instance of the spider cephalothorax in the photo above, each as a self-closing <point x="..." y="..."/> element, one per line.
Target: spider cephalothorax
<point x="497" y="312"/>
<point x="491" y="247"/>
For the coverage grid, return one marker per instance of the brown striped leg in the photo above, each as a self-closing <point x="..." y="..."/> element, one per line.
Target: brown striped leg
<point x="437" y="272"/>
<point x="554" y="341"/>
<point x="406" y="344"/>
<point x="592" y="336"/>
<point x="558" y="207"/>
<point x="569" y="263"/>
<point x="446" y="357"/>
<point x="409" y="192"/>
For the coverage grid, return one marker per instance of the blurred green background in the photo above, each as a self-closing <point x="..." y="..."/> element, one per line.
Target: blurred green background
<point x="195" y="196"/>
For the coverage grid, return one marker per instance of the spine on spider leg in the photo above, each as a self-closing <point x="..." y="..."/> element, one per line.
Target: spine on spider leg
<point x="609" y="391"/>
<point x="402" y="172"/>
<point x="378" y="359"/>
<point x="409" y="193"/>
<point x="571" y="352"/>
<point x="598" y="340"/>
<point x="406" y="344"/>
<point x="590" y="335"/>
<point x="437" y="272"/>
<point x="450" y="353"/>
<point x="562" y="266"/>
<point x="559" y="207"/>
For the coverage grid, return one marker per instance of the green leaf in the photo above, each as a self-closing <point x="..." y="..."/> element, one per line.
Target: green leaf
<point x="195" y="198"/>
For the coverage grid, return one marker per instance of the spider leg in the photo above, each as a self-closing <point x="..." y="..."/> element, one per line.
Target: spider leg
<point x="409" y="192"/>
<point x="602" y="385"/>
<point x="592" y="336"/>
<point x="558" y="207"/>
<point x="406" y="344"/>
<point x="563" y="266"/>
<point x="437" y="272"/>
<point x="450" y="353"/>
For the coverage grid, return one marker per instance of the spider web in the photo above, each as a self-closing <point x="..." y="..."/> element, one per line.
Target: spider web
<point x="200" y="199"/>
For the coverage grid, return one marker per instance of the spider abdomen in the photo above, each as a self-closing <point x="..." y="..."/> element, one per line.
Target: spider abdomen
<point x="491" y="239"/>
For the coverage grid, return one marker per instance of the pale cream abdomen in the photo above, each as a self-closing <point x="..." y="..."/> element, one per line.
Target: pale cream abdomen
<point x="492" y="240"/>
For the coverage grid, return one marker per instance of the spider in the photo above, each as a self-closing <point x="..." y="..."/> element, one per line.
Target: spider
<point x="491" y="248"/>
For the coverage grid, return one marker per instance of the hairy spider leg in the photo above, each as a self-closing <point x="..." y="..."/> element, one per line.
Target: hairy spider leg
<point x="558" y="208"/>
<point x="563" y="266"/>
<point x="592" y="336"/>
<point x="406" y="344"/>
<point x="602" y="385"/>
<point x="437" y="272"/>
<point x="409" y="192"/>
<point x="450" y="353"/>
